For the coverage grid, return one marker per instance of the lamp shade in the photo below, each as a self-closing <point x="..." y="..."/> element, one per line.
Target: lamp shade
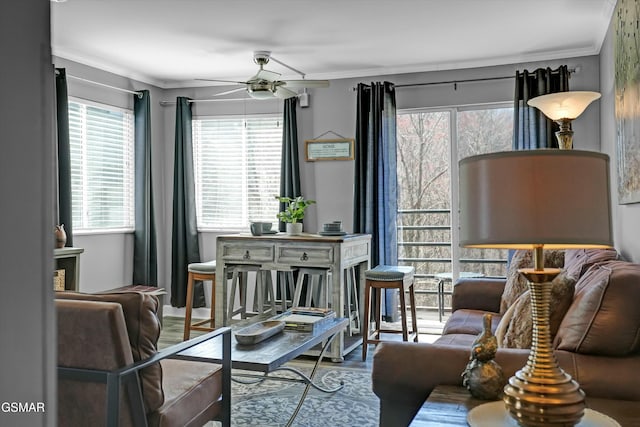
<point x="563" y="105"/>
<point x="522" y="199"/>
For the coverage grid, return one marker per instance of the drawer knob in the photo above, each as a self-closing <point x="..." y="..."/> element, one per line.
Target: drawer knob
<point x="304" y="257"/>
<point x="246" y="255"/>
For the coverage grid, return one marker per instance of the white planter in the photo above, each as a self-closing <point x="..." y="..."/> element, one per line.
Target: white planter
<point x="294" y="229"/>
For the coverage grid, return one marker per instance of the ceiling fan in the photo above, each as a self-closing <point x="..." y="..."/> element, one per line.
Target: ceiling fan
<point x="265" y="83"/>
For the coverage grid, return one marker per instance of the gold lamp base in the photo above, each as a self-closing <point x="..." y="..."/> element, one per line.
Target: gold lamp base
<point x="541" y="393"/>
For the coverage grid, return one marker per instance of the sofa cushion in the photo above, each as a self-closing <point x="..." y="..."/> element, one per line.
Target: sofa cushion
<point x="464" y="340"/>
<point x="516" y="284"/>
<point x="604" y="318"/>
<point x="578" y="261"/>
<point x="469" y="322"/>
<point x="143" y="329"/>
<point x="515" y="329"/>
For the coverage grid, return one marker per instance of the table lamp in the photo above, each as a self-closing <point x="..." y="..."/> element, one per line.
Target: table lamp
<point x="537" y="199"/>
<point x="562" y="108"/>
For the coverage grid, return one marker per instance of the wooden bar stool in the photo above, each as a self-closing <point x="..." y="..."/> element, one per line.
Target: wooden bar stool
<point x="199" y="271"/>
<point x="264" y="300"/>
<point x="317" y="290"/>
<point x="264" y="292"/>
<point x="352" y="305"/>
<point x="285" y="286"/>
<point x="388" y="277"/>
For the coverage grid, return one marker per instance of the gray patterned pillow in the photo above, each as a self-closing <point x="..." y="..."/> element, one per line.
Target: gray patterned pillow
<point x="516" y="284"/>
<point x="515" y="329"/>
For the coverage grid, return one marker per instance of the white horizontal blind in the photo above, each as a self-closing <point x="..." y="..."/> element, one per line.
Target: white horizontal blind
<point x="237" y="170"/>
<point x="102" y="180"/>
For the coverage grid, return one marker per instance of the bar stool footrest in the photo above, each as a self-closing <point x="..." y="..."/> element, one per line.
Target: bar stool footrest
<point x="200" y="323"/>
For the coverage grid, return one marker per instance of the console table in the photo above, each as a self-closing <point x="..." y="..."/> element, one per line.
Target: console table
<point x="281" y="252"/>
<point x="68" y="259"/>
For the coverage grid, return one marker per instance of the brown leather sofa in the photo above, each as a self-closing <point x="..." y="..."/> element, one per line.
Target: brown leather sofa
<point x="597" y="342"/>
<point x="107" y="340"/>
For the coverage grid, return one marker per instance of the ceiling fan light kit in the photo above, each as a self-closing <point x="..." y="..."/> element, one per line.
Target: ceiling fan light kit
<point x="265" y="84"/>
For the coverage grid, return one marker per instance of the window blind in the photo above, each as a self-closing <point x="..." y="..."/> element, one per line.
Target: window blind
<point x="237" y="170"/>
<point x="102" y="147"/>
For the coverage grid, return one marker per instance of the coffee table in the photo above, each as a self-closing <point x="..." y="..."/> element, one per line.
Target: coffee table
<point x="268" y="356"/>
<point x="449" y="405"/>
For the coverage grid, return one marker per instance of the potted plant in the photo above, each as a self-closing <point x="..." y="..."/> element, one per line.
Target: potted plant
<point x="293" y="212"/>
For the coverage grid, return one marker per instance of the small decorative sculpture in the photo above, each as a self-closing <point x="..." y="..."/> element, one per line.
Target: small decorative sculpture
<point x="61" y="236"/>
<point x="483" y="377"/>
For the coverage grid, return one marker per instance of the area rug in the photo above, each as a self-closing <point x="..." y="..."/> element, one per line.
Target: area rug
<point x="271" y="403"/>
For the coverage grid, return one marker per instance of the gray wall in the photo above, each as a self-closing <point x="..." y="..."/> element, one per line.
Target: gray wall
<point x="333" y="109"/>
<point x="107" y="259"/>
<point x="27" y="320"/>
<point x="626" y="217"/>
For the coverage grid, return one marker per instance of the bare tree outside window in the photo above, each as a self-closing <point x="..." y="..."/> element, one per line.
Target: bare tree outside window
<point x="425" y="203"/>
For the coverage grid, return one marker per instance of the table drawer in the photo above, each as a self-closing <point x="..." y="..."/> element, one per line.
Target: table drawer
<point x="301" y="255"/>
<point x="247" y="253"/>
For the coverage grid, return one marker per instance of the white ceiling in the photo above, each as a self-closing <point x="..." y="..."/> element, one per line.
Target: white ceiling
<point x="170" y="43"/>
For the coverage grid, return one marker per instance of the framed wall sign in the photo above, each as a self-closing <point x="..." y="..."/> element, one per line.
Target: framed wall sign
<point x="329" y="149"/>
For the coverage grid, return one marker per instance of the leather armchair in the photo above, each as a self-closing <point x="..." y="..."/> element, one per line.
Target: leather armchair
<point x="110" y="372"/>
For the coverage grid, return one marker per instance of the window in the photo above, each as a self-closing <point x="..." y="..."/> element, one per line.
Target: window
<point x="102" y="146"/>
<point x="430" y="143"/>
<point x="237" y="170"/>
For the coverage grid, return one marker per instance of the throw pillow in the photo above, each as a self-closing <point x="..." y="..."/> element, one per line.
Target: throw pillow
<point x="604" y="319"/>
<point x="503" y="325"/>
<point x="516" y="284"/>
<point x="578" y="261"/>
<point x="515" y="329"/>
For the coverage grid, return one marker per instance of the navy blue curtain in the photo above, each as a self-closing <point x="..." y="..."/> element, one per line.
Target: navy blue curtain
<point x="531" y="128"/>
<point x="64" y="155"/>
<point x="290" y="164"/>
<point x="145" y="262"/>
<point x="375" y="180"/>
<point x="184" y="239"/>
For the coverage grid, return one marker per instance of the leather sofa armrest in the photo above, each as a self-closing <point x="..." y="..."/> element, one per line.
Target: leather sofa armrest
<point x="603" y="376"/>
<point x="478" y="294"/>
<point x="404" y="374"/>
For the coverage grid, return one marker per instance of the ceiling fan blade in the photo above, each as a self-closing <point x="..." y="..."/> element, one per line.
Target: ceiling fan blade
<point x="229" y="91"/>
<point x="266" y="75"/>
<point x="222" y="81"/>
<point x="305" y="83"/>
<point x="284" y="93"/>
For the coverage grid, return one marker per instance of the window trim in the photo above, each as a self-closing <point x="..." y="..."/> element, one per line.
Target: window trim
<point x="454" y="189"/>
<point x="213" y="229"/>
<point x="111" y="107"/>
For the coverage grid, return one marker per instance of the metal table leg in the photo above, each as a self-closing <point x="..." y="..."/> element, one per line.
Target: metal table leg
<point x="440" y="299"/>
<point x="308" y="380"/>
<point x="313" y="373"/>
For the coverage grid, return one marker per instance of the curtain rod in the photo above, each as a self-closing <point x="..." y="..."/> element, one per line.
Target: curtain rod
<point x="455" y="82"/>
<point x="215" y="100"/>
<point x="135" y="92"/>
